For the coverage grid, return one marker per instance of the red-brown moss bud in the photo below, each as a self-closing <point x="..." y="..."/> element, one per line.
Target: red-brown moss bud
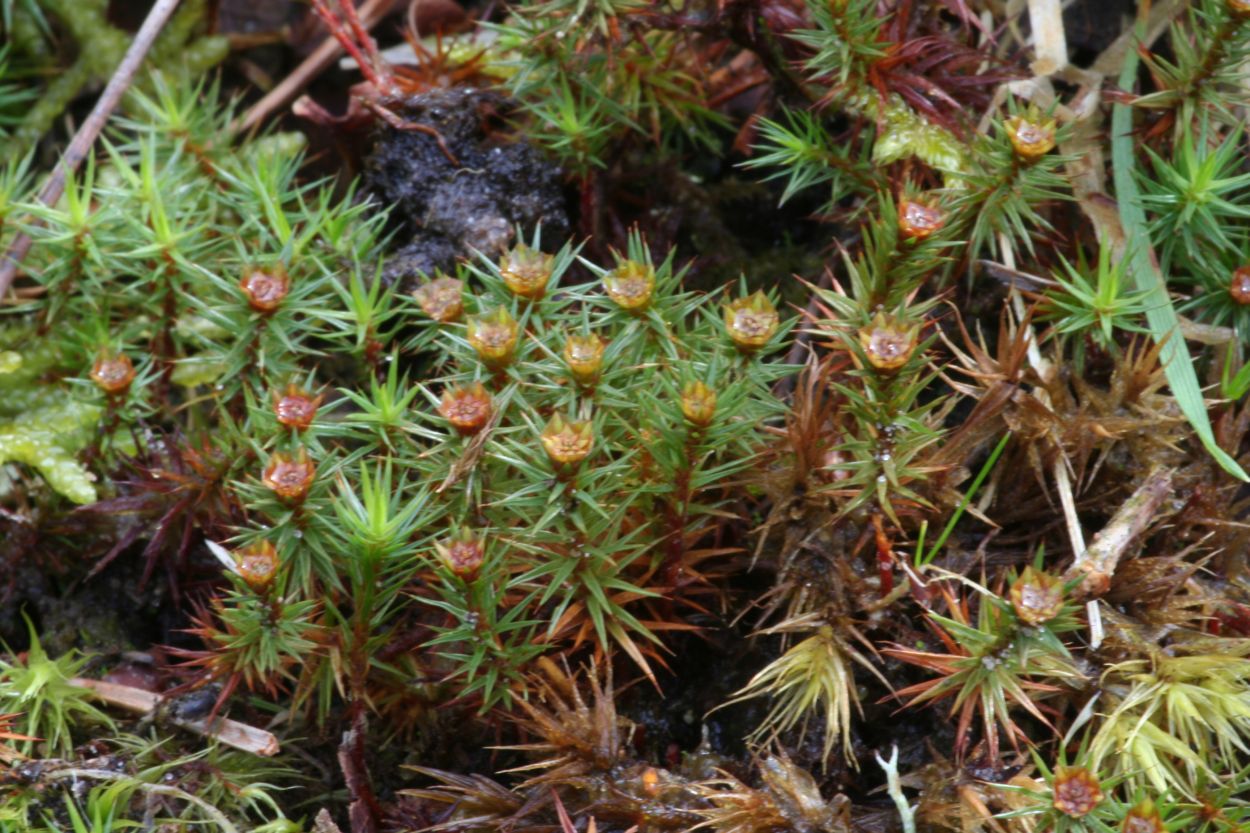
<point x="918" y="219"/>
<point x="1239" y="286"/>
<point x="1143" y="817"/>
<point x="257" y="565"/>
<point x="1031" y="138"/>
<point x="462" y="553"/>
<point x="442" y="299"/>
<point x="290" y="478"/>
<point x="265" y="289"/>
<point x="1076" y="791"/>
<point x="467" y="409"/>
<point x="113" y="374"/>
<point x="296" y="408"/>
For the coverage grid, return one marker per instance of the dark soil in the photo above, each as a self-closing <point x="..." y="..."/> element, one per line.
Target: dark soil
<point x="442" y="210"/>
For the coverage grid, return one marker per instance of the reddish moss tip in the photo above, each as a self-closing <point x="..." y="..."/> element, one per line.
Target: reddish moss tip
<point x="265" y="290"/>
<point x="1239" y="285"/>
<point x="295" y="408"/>
<point x="258" y="564"/>
<point x="113" y="374"/>
<point x="467" y="409"/>
<point x="1076" y="791"/>
<point x="918" y="220"/>
<point x="290" y="478"/>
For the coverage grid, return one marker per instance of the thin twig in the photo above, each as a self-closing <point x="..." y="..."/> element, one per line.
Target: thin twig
<point x="81" y="144"/>
<point x="1096" y="565"/>
<point x="323" y="56"/>
<point x="223" y="730"/>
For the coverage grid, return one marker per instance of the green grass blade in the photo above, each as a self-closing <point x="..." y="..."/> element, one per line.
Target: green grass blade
<point x="923" y="559"/>
<point x="1160" y="314"/>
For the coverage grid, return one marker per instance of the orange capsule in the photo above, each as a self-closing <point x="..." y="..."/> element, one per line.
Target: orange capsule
<point x="295" y="408"/>
<point x="751" y="321"/>
<point x="467" y="409"/>
<point x="918" y="220"/>
<point x="630" y="285"/>
<point x="887" y="342"/>
<point x="257" y="565"/>
<point x="113" y="374"/>
<point x="1239" y="286"/>
<point x="1143" y="817"/>
<point x="1239" y="9"/>
<point x="265" y="290"/>
<point x="526" y="271"/>
<point x="698" y="404"/>
<point x="1030" y="139"/>
<point x="494" y="337"/>
<point x="1076" y="791"/>
<point x="441" y="299"/>
<point x="462" y="553"/>
<point x="567" y="443"/>
<point x="290" y="478"/>
<point x="1036" y="596"/>
<point x="584" y="356"/>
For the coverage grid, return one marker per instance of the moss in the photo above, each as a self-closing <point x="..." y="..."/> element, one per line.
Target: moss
<point x="179" y="49"/>
<point x="48" y="439"/>
<point x="905" y="134"/>
<point x="45" y="427"/>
